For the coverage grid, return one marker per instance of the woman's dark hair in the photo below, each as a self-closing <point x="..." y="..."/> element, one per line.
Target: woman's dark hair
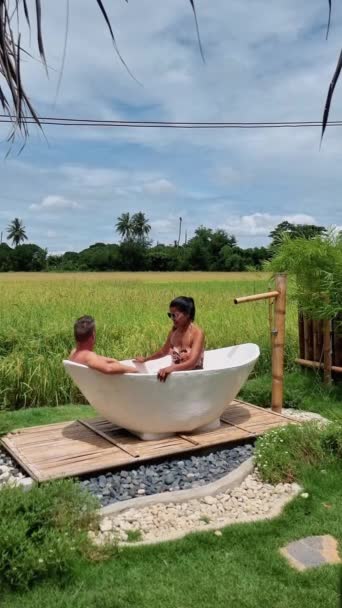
<point x="186" y="305"/>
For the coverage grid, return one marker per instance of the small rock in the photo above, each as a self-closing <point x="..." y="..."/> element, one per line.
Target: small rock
<point x="209" y="500"/>
<point x="102" y="481"/>
<point x="218" y="533"/>
<point x="106" y="525"/>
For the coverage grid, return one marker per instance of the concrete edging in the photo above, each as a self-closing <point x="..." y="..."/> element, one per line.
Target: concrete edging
<point x="228" y="482"/>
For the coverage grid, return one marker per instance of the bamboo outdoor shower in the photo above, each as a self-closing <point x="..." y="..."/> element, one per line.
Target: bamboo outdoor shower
<point x="277" y="335"/>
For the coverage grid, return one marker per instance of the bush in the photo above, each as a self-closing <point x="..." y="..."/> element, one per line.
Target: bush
<point x="43" y="532"/>
<point x="282" y="453"/>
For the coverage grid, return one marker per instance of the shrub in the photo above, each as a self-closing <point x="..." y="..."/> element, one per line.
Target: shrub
<point x="282" y="453"/>
<point x="43" y="532"/>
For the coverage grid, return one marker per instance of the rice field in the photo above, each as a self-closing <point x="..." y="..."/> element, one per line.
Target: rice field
<point x="37" y="312"/>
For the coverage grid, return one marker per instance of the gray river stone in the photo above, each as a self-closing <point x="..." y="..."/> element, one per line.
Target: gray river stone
<point x="145" y="480"/>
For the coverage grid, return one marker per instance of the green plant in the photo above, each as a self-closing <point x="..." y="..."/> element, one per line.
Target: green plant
<point x="316" y="265"/>
<point x="44" y="532"/>
<point x="281" y="454"/>
<point x="134" y="536"/>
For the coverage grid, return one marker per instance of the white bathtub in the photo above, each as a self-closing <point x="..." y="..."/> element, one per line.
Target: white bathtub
<point x="187" y="401"/>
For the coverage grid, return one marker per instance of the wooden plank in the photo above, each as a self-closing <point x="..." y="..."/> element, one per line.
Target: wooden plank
<point x="85" y="447"/>
<point x="105" y="436"/>
<point x="188" y="438"/>
<point x="19" y="457"/>
<point x="268" y="412"/>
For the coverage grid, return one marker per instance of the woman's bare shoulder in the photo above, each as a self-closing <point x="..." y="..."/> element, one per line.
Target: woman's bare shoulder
<point x="198" y="331"/>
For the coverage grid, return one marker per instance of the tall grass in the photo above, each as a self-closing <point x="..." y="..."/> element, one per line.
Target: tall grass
<point x="37" y="314"/>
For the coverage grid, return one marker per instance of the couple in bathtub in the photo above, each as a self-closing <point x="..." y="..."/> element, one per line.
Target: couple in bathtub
<point x="185" y="344"/>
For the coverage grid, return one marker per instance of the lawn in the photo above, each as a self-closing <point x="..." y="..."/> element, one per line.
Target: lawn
<point x="241" y="568"/>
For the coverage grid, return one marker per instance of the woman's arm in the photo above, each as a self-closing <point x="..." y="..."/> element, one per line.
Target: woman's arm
<point x="196" y="351"/>
<point x="164" y="350"/>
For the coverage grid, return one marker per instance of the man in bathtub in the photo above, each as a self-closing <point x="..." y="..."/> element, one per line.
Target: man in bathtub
<point x="85" y="336"/>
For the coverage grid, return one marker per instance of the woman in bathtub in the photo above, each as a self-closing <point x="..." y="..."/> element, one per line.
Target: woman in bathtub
<point x="185" y="342"/>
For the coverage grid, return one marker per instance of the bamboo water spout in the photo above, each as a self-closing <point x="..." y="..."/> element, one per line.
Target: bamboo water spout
<point x="278" y="335"/>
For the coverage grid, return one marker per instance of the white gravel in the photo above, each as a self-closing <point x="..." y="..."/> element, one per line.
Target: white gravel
<point x="304" y="416"/>
<point x="252" y="500"/>
<point x="10" y="474"/>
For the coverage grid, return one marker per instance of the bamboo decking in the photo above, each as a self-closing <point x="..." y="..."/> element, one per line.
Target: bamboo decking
<point x="81" y="447"/>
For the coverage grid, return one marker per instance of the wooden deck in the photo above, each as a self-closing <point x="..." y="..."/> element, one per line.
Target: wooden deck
<point x="79" y="447"/>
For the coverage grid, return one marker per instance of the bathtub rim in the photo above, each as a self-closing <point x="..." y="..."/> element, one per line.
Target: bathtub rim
<point x="249" y="361"/>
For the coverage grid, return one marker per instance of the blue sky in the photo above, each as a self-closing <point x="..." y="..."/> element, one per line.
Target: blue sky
<point x="264" y="61"/>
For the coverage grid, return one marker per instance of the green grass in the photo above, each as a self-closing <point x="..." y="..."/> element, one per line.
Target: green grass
<point x="241" y="568"/>
<point x="37" y="313"/>
<point x="11" y="420"/>
<point x="303" y="389"/>
<point x="133" y="536"/>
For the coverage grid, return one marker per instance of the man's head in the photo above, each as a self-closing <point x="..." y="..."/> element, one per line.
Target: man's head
<point x="84" y="331"/>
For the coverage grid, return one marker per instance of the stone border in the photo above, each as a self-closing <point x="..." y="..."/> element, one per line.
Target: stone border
<point x="227" y="482"/>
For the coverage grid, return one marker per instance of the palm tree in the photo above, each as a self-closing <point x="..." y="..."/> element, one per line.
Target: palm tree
<point x="124" y="226"/>
<point x="16" y="232"/>
<point x="140" y="226"/>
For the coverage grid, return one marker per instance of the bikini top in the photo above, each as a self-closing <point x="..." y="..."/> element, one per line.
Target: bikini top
<point x="180" y="354"/>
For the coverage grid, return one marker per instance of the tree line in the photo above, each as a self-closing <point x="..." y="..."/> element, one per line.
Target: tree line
<point x="207" y="250"/>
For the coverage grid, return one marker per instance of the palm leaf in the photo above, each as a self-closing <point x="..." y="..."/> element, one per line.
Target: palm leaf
<point x="329" y="18"/>
<point x="197" y="28"/>
<point x="330" y="94"/>
<point x="16" y="100"/>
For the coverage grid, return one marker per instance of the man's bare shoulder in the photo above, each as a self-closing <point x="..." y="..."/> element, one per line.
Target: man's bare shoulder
<point x="84" y="357"/>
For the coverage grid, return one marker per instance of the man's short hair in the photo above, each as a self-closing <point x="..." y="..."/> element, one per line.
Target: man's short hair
<point x="84" y="328"/>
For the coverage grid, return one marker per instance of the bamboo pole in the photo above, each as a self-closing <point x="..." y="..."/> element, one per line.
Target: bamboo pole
<point x="306" y="339"/>
<point x="327" y="351"/>
<point x="337" y="340"/>
<point x="301" y="335"/>
<point x="278" y="343"/>
<point x="317" y="365"/>
<point x="258" y="296"/>
<point x="316" y="354"/>
<point x="310" y="340"/>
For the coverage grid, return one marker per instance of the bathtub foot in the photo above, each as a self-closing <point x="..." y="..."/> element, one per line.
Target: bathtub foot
<point x="206" y="428"/>
<point x="152" y="436"/>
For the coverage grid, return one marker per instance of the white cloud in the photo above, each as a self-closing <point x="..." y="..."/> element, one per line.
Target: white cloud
<point x="55" y="203"/>
<point x="228" y="175"/>
<point x="260" y="224"/>
<point x="160" y="186"/>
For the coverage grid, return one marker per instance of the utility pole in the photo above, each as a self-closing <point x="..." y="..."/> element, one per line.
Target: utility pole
<point x="180" y="230"/>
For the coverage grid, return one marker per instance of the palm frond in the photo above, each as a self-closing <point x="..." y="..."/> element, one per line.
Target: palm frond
<point x="330" y="94"/>
<point x="329" y="19"/>
<point x="15" y="101"/>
